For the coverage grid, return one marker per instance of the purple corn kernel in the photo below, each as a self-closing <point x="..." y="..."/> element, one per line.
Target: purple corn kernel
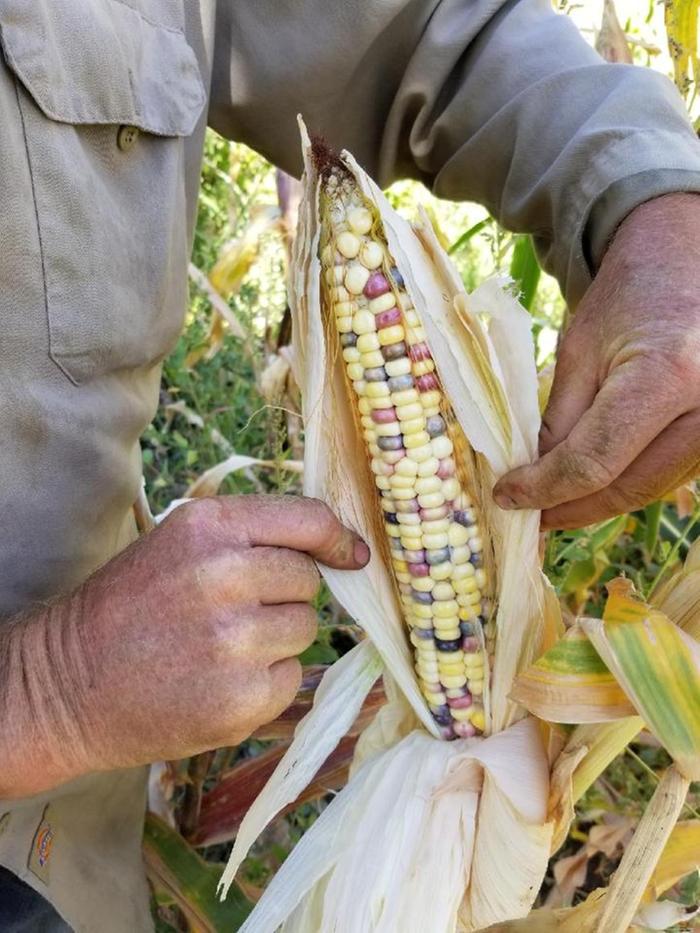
<point x="394" y="351"/>
<point x="375" y="374"/>
<point x="451" y="644"/>
<point x="387" y="318"/>
<point x="470" y="644"/>
<point x="418" y="597"/>
<point x="419" y="570"/>
<point x="448" y="733"/>
<point x="391" y="519"/>
<point x="427" y="382"/>
<point x="438" y="556"/>
<point x="348" y="340"/>
<point x="376" y="285"/>
<point x="475" y="559"/>
<point x="400" y="383"/>
<point x="434" y="425"/>
<point x="383" y="415"/>
<point x="425" y="633"/>
<point x="390" y="443"/>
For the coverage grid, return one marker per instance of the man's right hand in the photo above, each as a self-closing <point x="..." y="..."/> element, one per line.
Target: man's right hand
<point x="186" y="641"/>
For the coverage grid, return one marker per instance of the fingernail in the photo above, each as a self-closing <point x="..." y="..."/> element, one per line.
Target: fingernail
<point x="504" y="501"/>
<point x="361" y="552"/>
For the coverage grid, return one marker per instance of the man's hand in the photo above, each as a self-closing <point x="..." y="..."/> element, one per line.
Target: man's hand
<point x="186" y="641"/>
<point x="623" y="422"/>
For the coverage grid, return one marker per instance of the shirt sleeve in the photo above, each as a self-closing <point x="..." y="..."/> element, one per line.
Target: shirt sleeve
<point x="499" y="102"/>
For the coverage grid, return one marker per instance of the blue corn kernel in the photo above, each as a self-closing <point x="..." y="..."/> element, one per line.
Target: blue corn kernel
<point x="435" y="425"/>
<point x="376" y="374"/>
<point x="400" y="383"/>
<point x="425" y="633"/>
<point x="438" y="556"/>
<point x="390" y="443"/>
<point x="452" y="644"/>
<point x="391" y="518"/>
<point x="424" y="598"/>
<point x="348" y="340"/>
<point x="397" y="277"/>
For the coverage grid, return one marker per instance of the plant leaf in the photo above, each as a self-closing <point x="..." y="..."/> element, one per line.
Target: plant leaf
<point x="680" y="857"/>
<point x="658" y="665"/>
<point x="525" y="269"/>
<point x="175" y="868"/>
<point x="570" y="683"/>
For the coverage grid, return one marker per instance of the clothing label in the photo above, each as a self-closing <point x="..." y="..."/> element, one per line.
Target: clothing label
<point x="42" y="845"/>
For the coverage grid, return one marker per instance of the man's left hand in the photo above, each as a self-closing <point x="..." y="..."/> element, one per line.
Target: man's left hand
<point x="622" y="426"/>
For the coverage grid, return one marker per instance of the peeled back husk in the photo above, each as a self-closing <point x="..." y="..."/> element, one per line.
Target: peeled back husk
<point x="428" y="834"/>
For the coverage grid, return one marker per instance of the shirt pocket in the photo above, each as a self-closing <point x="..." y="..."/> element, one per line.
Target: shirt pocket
<point x="106" y="97"/>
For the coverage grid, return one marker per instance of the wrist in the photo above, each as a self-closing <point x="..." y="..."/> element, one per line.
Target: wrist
<point x="43" y="703"/>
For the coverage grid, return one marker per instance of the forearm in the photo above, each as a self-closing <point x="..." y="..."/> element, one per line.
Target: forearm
<point x="498" y="102"/>
<point x="43" y="703"/>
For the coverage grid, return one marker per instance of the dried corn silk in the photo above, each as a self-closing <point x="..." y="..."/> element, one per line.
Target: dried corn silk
<point x="416" y="397"/>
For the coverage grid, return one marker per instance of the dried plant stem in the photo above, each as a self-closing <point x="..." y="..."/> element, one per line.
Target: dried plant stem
<point x="637" y="866"/>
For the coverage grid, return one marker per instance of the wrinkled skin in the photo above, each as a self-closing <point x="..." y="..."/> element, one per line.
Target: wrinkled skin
<point x="186" y="641"/>
<point x="622" y="426"/>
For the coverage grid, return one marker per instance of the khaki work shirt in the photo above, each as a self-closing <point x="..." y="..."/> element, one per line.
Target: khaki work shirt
<point x="103" y="109"/>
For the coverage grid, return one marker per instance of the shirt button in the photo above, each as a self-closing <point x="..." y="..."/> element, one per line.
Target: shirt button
<point x="126" y="137"/>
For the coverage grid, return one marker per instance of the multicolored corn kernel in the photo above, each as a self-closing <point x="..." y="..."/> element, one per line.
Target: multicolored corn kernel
<point x="406" y="420"/>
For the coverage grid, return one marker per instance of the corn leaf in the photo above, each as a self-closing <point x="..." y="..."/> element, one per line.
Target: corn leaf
<point x="175" y="868"/>
<point x="570" y="683"/>
<point x="682" y="28"/>
<point x="525" y="270"/>
<point x="680" y="857"/>
<point x="658" y="665"/>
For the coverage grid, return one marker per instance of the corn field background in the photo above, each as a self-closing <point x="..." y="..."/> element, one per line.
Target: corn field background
<point x="228" y="423"/>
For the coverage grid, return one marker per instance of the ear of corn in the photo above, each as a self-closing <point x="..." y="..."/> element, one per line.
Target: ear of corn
<point x="416" y="451"/>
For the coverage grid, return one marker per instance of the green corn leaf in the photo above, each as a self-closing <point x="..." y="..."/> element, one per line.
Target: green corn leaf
<point x="525" y="270"/>
<point x="175" y="869"/>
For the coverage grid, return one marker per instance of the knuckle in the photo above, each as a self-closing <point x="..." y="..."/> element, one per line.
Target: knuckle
<point x="588" y="469"/>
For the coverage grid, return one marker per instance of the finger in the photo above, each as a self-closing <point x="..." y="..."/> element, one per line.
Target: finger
<point x="285" y="576"/>
<point x="283" y="631"/>
<point x="671" y="460"/>
<point x="628" y="413"/>
<point x="573" y="390"/>
<point x="300" y="524"/>
<point x="285" y="681"/>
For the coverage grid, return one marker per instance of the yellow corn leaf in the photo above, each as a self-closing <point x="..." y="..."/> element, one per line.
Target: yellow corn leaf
<point x="680" y="857"/>
<point x="603" y="743"/>
<point x="238" y="256"/>
<point x="682" y="29"/>
<point x="658" y="665"/>
<point x="570" y="683"/>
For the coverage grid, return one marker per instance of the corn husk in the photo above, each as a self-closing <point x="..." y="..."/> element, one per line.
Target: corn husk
<point x="428" y="834"/>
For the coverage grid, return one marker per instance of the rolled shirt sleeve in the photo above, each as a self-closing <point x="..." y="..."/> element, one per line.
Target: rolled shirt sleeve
<point x="498" y="102"/>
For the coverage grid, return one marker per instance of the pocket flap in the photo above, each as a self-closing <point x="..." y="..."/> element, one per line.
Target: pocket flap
<point x="102" y="62"/>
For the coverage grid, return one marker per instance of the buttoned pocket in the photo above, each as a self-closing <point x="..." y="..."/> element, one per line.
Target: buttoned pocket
<point x="107" y="94"/>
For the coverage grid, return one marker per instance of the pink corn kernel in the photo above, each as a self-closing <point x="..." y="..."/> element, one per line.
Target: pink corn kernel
<point x="384" y="415"/>
<point x="427" y="382"/>
<point x="419" y="351"/>
<point x="419" y="570"/>
<point x="387" y="318"/>
<point x="446" y="468"/>
<point x="376" y="285"/>
<point x="460" y="702"/>
<point x="470" y="644"/>
<point x="393" y="456"/>
<point x="465" y="730"/>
